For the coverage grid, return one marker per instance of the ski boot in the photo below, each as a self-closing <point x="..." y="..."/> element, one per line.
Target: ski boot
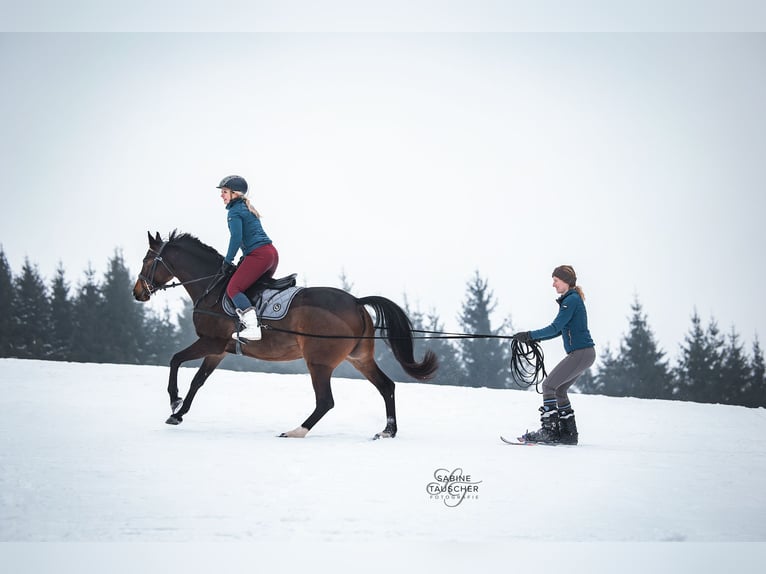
<point x="567" y="426"/>
<point x="549" y="429"/>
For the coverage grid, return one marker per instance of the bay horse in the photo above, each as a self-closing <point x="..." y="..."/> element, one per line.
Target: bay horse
<point x="323" y="325"/>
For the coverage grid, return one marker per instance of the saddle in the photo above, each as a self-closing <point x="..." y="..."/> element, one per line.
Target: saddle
<point x="270" y="297"/>
<point x="271" y="283"/>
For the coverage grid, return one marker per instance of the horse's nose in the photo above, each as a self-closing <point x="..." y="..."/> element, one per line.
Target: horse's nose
<point x="139" y="293"/>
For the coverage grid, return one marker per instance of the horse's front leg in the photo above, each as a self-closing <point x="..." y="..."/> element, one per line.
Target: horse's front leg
<point x="181" y="407"/>
<point x="213" y="353"/>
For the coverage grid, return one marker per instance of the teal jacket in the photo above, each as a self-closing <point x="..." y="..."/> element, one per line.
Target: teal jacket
<point x="245" y="228"/>
<point x="571" y="323"/>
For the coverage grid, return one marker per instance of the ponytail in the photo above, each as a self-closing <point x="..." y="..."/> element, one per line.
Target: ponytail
<point x="249" y="205"/>
<point x="579" y="292"/>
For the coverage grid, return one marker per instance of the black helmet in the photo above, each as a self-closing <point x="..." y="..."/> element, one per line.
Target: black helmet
<point x="234" y="183"/>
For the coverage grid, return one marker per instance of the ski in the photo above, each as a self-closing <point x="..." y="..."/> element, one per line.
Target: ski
<point x="525" y="443"/>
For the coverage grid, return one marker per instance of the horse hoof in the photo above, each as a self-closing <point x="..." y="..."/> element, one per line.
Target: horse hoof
<point x="176" y="405"/>
<point x="173" y="420"/>
<point x="300" y="432"/>
<point x="384" y="434"/>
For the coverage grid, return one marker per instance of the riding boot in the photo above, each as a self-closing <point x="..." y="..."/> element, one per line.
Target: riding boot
<point x="549" y="427"/>
<point x="567" y="426"/>
<point x="249" y="319"/>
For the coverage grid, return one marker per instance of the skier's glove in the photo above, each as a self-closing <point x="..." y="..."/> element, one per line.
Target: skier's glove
<point x="522" y="337"/>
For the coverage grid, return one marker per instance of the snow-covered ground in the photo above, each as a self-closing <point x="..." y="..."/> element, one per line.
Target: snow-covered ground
<point x="86" y="457"/>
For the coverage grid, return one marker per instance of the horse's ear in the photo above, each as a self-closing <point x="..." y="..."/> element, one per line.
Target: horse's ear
<point x="153" y="242"/>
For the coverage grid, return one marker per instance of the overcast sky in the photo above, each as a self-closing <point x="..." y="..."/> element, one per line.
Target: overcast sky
<point x="409" y="161"/>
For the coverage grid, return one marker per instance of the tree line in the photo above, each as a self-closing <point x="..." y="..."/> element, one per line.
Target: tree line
<point x="711" y="368"/>
<point x="99" y="321"/>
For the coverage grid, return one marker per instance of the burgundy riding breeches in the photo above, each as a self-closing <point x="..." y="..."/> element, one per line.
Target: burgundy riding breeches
<point x="260" y="262"/>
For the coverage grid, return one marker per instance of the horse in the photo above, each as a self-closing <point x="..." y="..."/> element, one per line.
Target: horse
<point x="323" y="325"/>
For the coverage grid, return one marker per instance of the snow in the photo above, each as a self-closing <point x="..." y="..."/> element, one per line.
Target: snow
<point x="87" y="464"/>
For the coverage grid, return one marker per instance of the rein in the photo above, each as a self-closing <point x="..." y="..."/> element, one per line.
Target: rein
<point x="151" y="287"/>
<point x="189" y="282"/>
<point x="432" y="334"/>
<point x="527" y="359"/>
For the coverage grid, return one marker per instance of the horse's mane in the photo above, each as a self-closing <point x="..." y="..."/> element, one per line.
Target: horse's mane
<point x="190" y="241"/>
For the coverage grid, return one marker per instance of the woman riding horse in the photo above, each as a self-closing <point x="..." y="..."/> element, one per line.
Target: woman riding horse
<point x="324" y="326"/>
<point x="260" y="256"/>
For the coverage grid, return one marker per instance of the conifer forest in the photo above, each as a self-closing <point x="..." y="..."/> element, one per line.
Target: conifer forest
<point x="97" y="320"/>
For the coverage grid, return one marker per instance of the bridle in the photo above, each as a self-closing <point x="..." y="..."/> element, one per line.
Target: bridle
<point x="148" y="281"/>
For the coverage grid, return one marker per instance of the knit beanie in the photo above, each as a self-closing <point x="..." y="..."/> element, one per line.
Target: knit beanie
<point x="566" y="273"/>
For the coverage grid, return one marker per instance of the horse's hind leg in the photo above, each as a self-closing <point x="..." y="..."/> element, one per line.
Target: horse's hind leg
<point x="385" y="386"/>
<point x="320" y="379"/>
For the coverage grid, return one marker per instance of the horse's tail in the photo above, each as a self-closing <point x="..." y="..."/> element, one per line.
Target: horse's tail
<point x="391" y="318"/>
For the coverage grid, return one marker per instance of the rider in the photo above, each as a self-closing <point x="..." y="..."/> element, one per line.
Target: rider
<point x="557" y="416"/>
<point x="260" y="256"/>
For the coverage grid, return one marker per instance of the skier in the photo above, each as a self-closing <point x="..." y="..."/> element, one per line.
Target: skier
<point x="260" y="256"/>
<point x="557" y="417"/>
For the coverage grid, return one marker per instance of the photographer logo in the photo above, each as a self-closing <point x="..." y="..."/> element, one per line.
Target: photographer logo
<point x="453" y="487"/>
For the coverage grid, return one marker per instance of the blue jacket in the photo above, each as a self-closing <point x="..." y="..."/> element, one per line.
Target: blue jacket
<point x="571" y="323"/>
<point x="245" y="228"/>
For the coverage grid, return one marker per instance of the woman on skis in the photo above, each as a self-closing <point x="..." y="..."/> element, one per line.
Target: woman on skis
<point x="557" y="416"/>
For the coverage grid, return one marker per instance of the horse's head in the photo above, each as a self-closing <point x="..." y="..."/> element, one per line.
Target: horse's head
<point x="154" y="273"/>
<point x="182" y="256"/>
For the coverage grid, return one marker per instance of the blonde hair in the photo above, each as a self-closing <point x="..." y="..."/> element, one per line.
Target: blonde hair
<point x="249" y="205"/>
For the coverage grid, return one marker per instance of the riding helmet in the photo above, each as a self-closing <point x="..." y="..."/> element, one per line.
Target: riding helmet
<point x="234" y="183"/>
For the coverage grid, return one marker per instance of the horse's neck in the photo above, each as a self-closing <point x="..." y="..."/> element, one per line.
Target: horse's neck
<point x="198" y="280"/>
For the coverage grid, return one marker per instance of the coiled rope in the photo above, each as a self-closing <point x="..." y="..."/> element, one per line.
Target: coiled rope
<point x="527" y="364"/>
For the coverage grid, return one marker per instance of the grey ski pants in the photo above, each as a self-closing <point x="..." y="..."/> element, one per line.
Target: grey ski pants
<point x="564" y="374"/>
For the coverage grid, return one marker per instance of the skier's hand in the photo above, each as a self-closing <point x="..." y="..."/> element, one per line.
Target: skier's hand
<point x="522" y="337"/>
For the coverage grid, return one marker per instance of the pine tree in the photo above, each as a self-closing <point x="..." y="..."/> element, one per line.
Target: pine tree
<point x="485" y="360"/>
<point x="62" y="314"/>
<point x="714" y="388"/>
<point x="450" y="368"/>
<point x="161" y="339"/>
<point x="640" y="369"/>
<point x="754" y="394"/>
<point x="123" y="318"/>
<point x="602" y="382"/>
<point x="735" y="372"/>
<point x="88" y="324"/>
<point x="613" y="376"/>
<point x="698" y="373"/>
<point x="693" y="362"/>
<point x="30" y="314"/>
<point x="7" y="294"/>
